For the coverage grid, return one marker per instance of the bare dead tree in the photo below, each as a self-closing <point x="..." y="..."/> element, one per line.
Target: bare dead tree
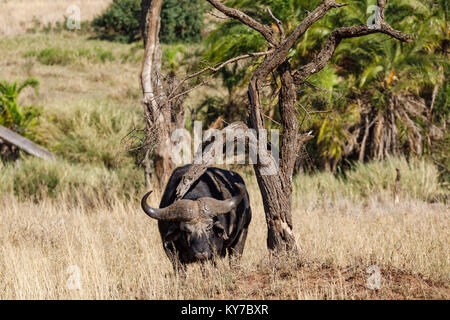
<point x="162" y="116"/>
<point x="276" y="189"/>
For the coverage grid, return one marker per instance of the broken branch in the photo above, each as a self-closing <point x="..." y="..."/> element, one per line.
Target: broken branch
<point x="215" y="69"/>
<point x="279" y="24"/>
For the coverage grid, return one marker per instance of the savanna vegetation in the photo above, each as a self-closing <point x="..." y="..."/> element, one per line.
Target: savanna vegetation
<point x="377" y="97"/>
<point x="378" y="106"/>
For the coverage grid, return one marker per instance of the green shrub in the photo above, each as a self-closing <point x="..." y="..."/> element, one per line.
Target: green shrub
<point x="103" y="55"/>
<point x="173" y="56"/>
<point x="64" y="57"/>
<point x="22" y="119"/>
<point x="181" y="20"/>
<point x="36" y="179"/>
<point x="120" y="22"/>
<point x="90" y="133"/>
<point x="56" y="56"/>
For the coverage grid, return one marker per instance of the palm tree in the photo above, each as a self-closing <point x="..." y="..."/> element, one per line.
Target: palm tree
<point x="389" y="82"/>
<point x="386" y="80"/>
<point x="374" y="99"/>
<point x="12" y="115"/>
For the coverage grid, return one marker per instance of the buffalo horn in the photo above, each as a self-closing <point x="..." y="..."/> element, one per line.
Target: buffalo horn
<point x="212" y="207"/>
<point x="181" y="210"/>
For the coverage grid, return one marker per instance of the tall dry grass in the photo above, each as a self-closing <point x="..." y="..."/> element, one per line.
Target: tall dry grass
<point x="119" y="254"/>
<point x="17" y="16"/>
<point x="83" y="211"/>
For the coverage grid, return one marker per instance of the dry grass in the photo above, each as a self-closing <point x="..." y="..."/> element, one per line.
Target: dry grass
<point x="119" y="253"/>
<point x="16" y="16"/>
<point x="342" y="227"/>
<point x="80" y="80"/>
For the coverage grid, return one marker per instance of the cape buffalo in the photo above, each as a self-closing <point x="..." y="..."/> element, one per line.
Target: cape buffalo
<point x="212" y="219"/>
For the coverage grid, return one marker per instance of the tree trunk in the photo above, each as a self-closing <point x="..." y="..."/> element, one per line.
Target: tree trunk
<point x="162" y="116"/>
<point x="276" y="196"/>
<point x="367" y="127"/>
<point x="276" y="190"/>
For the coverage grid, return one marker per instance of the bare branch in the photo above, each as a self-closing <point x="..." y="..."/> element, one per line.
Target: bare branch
<point x="279" y="24"/>
<point x="217" y="16"/>
<point x="274" y="121"/>
<point x="216" y="69"/>
<point x="12" y="138"/>
<point x="236" y="130"/>
<point x="309" y="84"/>
<point x="247" y="20"/>
<point x="279" y="55"/>
<point x="304" y="109"/>
<point x="381" y="5"/>
<point x="311" y="18"/>
<point x="387" y="29"/>
<point x="320" y="61"/>
<point x="191" y="89"/>
<point x="208" y="152"/>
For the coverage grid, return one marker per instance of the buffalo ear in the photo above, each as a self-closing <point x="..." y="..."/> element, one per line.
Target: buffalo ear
<point x="220" y="230"/>
<point x="172" y="234"/>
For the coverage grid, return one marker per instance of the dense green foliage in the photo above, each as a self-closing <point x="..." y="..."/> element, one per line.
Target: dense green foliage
<point x="181" y="20"/>
<point x="120" y="21"/>
<point x="390" y="92"/>
<point x="14" y="116"/>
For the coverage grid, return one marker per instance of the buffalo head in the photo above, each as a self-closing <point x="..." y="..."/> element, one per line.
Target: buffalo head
<point x="194" y="223"/>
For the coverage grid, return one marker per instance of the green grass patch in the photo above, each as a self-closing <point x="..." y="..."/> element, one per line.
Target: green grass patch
<point x="419" y="180"/>
<point x="64" y="57"/>
<point x="36" y="179"/>
<point x="91" y="133"/>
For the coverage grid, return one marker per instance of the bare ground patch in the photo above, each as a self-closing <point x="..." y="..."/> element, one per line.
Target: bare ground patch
<point x="323" y="282"/>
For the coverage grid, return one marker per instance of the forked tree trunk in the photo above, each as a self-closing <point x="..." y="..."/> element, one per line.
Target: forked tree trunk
<point x="276" y="188"/>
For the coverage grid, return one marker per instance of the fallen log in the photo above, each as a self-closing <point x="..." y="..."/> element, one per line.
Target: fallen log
<point x="10" y="137"/>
